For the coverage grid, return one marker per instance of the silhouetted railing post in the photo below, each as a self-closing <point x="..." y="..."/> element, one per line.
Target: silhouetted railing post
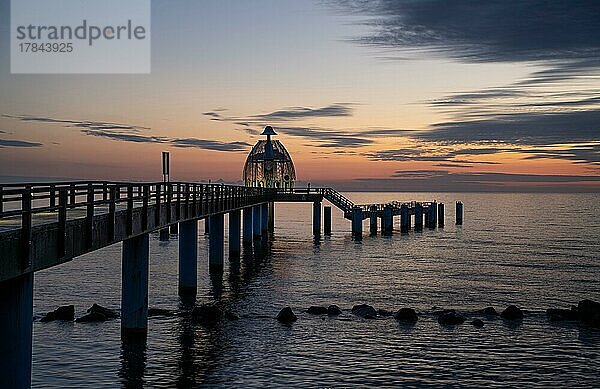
<point x="52" y="196"/>
<point x="129" y="226"/>
<point x="26" y="227"/>
<point x="145" y="196"/>
<point x="62" y="223"/>
<point x="112" y="205"/>
<point x="89" y="216"/>
<point x="72" y="194"/>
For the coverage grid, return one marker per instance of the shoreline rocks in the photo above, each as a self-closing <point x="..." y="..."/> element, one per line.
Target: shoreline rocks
<point x="512" y="312"/>
<point x="109" y="313"/>
<point x="589" y="312"/>
<point x="334" y="310"/>
<point x="477" y="323"/>
<point x="406" y="315"/>
<point x="63" y="313"/>
<point x="451" y="318"/>
<point x="489" y="311"/>
<point x="92" y="317"/>
<point x="365" y="311"/>
<point x="286" y="316"/>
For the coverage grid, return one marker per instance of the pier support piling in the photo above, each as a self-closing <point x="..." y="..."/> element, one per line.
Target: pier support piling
<point x="404" y="219"/>
<point x="317" y="218"/>
<point x="188" y="258"/>
<point x="16" y="330"/>
<point x="264" y="225"/>
<point x="441" y="215"/>
<point x="247" y="226"/>
<point x="216" y="243"/>
<point x="271" y="216"/>
<point x="134" y="289"/>
<point x="256" y="222"/>
<point x="418" y="217"/>
<point x="234" y="233"/>
<point x="387" y="223"/>
<point x="357" y="219"/>
<point x="373" y="220"/>
<point x="327" y="220"/>
<point x="459" y="213"/>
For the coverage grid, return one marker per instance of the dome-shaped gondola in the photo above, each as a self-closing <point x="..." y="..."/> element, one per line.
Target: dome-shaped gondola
<point x="269" y="164"/>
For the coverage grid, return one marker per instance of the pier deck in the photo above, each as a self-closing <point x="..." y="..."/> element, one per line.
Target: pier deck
<point x="46" y="224"/>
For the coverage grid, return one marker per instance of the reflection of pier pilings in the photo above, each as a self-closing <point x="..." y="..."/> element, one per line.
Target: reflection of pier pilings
<point x="133" y="361"/>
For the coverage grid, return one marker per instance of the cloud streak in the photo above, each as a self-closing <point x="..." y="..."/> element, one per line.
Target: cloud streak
<point x="133" y="134"/>
<point x="444" y="180"/>
<point x="18" y="143"/>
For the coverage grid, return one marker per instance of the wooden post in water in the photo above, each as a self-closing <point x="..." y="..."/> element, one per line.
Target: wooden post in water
<point x="441" y="215"/>
<point x="271" y="216"/>
<point x="317" y="218"/>
<point x="404" y="219"/>
<point x="373" y="220"/>
<point x="327" y="220"/>
<point x="387" y="223"/>
<point x="256" y="222"/>
<point x="134" y="289"/>
<point x="206" y="226"/>
<point x="216" y="243"/>
<point x="357" y="219"/>
<point x="264" y="225"/>
<point x="188" y="258"/>
<point x="459" y="213"/>
<point x="234" y="233"/>
<point x="247" y="226"/>
<point x="418" y="217"/>
<point x="16" y="331"/>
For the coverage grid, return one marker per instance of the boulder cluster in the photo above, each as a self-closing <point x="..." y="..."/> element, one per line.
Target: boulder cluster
<point x="95" y="313"/>
<point x="587" y="312"/>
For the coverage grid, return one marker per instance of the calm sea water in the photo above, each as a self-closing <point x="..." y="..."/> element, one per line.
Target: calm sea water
<point x="533" y="250"/>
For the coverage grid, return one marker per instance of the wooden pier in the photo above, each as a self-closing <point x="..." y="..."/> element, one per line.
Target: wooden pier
<point x="44" y="225"/>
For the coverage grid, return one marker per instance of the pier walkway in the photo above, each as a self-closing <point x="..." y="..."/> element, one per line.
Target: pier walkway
<point x="46" y="224"/>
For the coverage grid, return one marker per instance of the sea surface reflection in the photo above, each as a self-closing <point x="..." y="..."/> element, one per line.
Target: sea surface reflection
<point x="533" y="250"/>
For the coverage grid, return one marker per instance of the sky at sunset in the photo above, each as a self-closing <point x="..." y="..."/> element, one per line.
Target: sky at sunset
<point x="365" y="95"/>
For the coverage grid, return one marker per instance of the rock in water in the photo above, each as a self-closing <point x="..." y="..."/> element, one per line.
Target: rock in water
<point x="489" y="311"/>
<point x="317" y="310"/>
<point x="207" y="314"/>
<point x="286" y="316"/>
<point x="451" y="318"/>
<point x="159" y="312"/>
<point x="512" y="312"/>
<point x="365" y="311"/>
<point x="66" y="312"/>
<point x="334" y="310"/>
<point x="92" y="317"/>
<point x="406" y="314"/>
<point x="108" y="313"/>
<point x="477" y="323"/>
<point x="589" y="312"/>
<point x="561" y="314"/>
